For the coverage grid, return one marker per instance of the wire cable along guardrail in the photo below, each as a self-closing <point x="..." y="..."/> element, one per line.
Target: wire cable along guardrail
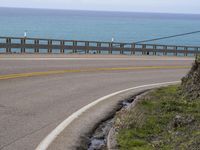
<point x="167" y="37"/>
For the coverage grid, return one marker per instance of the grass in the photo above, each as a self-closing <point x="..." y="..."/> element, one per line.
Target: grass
<point x="162" y="119"/>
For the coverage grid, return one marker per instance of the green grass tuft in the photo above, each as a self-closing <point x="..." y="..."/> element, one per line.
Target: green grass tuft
<point x="162" y="119"/>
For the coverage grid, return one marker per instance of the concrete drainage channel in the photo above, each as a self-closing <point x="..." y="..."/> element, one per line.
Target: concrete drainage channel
<point x="99" y="138"/>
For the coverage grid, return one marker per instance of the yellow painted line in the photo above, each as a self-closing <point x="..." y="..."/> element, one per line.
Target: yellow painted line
<point x="21" y="75"/>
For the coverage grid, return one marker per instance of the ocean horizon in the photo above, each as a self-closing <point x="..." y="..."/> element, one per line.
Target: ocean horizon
<point x="99" y="25"/>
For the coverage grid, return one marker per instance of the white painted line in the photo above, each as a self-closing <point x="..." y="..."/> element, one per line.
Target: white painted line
<point x="54" y="134"/>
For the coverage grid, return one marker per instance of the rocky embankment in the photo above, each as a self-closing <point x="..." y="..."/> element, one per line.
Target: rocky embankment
<point x="165" y="118"/>
<point x="191" y="82"/>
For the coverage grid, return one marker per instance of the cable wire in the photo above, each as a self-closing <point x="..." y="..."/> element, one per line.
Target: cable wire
<point x="166" y="37"/>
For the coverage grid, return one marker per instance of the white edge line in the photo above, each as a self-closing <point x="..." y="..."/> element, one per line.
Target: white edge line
<point x="53" y="135"/>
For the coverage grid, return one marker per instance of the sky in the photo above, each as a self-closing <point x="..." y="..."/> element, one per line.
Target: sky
<point x="163" y="6"/>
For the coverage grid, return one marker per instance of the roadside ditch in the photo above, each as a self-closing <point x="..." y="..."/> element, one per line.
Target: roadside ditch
<point x="101" y="138"/>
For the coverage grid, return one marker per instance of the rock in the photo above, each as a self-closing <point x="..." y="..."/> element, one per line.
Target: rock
<point x="180" y="121"/>
<point x="190" y="85"/>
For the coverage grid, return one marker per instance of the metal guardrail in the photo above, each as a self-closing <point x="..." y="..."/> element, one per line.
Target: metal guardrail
<point x="36" y="45"/>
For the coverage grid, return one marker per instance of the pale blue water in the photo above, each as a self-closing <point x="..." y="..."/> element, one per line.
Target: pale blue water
<point x="88" y="25"/>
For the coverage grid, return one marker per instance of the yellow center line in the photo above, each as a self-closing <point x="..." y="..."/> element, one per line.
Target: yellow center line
<point x="31" y="74"/>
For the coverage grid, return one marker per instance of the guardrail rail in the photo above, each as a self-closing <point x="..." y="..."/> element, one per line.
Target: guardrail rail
<point x="10" y="45"/>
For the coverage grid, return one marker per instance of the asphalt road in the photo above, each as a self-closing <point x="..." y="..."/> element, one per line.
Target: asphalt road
<point x="32" y="106"/>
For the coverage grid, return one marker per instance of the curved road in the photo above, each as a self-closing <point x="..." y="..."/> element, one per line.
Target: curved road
<point x="33" y="104"/>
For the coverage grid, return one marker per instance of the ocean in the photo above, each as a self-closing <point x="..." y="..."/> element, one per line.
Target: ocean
<point x="101" y="26"/>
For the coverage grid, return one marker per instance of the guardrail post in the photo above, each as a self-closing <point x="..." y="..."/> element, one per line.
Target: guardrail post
<point x="50" y="46"/>
<point x="165" y="50"/>
<point x="87" y="44"/>
<point x="144" y="49"/>
<point x="121" y="48"/>
<point x="196" y="51"/>
<point x="36" y="42"/>
<point x="132" y="49"/>
<point x="23" y="42"/>
<point x="110" y="48"/>
<point x="186" y="51"/>
<point x="8" y="45"/>
<point x="62" y="49"/>
<point x="98" y="45"/>
<point x="154" y="49"/>
<point x="176" y="50"/>
<point x="74" y="46"/>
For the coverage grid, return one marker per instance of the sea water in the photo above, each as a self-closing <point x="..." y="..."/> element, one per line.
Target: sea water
<point x="100" y="26"/>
